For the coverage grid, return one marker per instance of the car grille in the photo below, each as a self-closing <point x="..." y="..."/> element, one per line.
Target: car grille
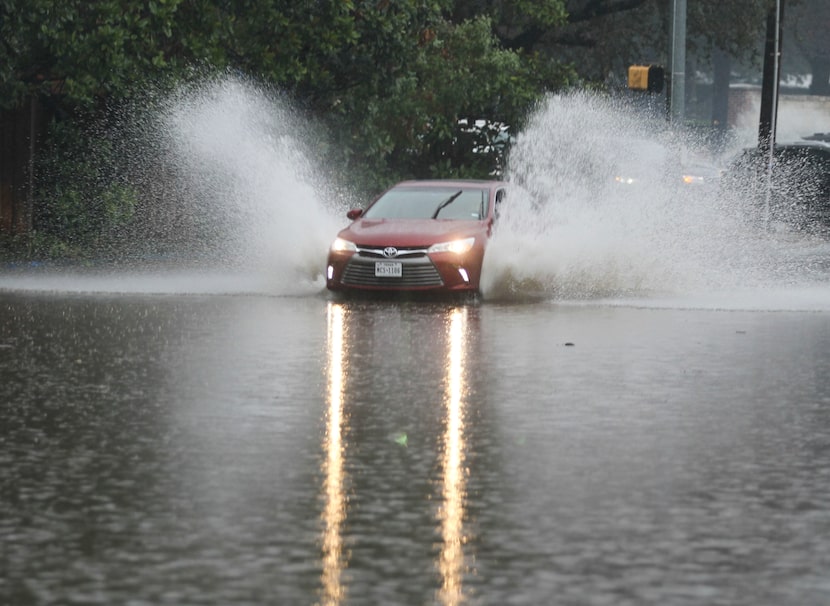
<point x="405" y="252"/>
<point x="421" y="273"/>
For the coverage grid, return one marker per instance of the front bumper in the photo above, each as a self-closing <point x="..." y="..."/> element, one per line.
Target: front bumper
<point x="444" y="272"/>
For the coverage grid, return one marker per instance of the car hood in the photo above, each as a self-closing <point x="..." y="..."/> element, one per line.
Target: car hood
<point x="410" y="232"/>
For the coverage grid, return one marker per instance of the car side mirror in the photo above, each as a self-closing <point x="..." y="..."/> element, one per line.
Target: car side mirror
<point x="354" y="213"/>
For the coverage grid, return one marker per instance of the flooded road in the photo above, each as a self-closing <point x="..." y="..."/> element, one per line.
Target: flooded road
<point x="638" y="413"/>
<point x="253" y="449"/>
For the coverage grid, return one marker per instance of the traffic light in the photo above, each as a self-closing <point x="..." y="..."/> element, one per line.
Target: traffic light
<point x="646" y="77"/>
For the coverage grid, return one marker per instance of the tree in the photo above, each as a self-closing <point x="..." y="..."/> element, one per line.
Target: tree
<point x="420" y="120"/>
<point x="809" y="22"/>
<point x="605" y="36"/>
<point x="395" y="81"/>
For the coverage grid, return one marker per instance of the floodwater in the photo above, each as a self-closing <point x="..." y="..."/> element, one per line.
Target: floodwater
<point x="637" y="412"/>
<point x="251" y="449"/>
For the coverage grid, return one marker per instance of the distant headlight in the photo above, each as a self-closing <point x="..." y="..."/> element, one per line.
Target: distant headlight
<point x="341" y="245"/>
<point x="458" y="247"/>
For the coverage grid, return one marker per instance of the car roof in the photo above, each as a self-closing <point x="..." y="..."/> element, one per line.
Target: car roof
<point x="442" y="183"/>
<point x="821" y="137"/>
<point x="808" y="146"/>
<point x="814" y="141"/>
<point x="802" y="145"/>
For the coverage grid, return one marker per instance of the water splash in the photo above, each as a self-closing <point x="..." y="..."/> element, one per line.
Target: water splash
<point x="237" y="203"/>
<point x="599" y="211"/>
<point x="242" y="159"/>
<point x="232" y="199"/>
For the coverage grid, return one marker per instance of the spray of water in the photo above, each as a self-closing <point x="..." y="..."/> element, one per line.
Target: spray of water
<point x="240" y="160"/>
<point x="599" y="211"/>
<point x="232" y="199"/>
<point x="596" y="212"/>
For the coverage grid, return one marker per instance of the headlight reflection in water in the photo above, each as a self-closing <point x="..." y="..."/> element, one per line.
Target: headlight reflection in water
<point x="334" y="512"/>
<point x="451" y="514"/>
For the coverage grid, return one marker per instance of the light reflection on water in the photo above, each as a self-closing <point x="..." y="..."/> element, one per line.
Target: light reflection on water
<point x="450" y="563"/>
<point x="451" y="514"/>
<point x="265" y="450"/>
<point x="334" y="512"/>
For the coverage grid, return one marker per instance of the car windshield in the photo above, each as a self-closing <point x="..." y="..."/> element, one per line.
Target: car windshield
<point x="422" y="203"/>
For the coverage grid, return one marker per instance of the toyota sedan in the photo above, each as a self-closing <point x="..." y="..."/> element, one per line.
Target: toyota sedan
<point x="418" y="236"/>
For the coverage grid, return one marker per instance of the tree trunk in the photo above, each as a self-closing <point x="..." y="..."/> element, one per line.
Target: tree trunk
<point x="18" y="135"/>
<point x="771" y="78"/>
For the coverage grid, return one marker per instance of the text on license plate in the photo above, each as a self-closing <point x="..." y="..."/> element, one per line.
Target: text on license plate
<point x="388" y="269"/>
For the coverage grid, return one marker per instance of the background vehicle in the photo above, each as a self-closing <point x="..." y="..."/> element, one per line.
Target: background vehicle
<point x="798" y="187"/>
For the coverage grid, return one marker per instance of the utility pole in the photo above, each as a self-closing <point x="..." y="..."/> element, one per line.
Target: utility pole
<point x="771" y="77"/>
<point x="769" y="97"/>
<point x="677" y="101"/>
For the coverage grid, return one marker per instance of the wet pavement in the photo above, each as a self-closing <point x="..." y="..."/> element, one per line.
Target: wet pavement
<point x="252" y="449"/>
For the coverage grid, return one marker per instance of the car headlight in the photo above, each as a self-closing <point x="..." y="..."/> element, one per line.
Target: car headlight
<point x="458" y="247"/>
<point x="341" y="245"/>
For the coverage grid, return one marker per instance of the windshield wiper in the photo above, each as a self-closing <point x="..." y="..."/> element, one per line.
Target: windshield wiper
<point x="446" y="203"/>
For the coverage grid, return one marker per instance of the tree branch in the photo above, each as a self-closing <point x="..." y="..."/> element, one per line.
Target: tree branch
<point x="578" y="12"/>
<point x="600" y="8"/>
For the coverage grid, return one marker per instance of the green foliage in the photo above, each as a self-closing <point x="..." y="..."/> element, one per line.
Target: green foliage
<point x="805" y="24"/>
<point x="603" y="38"/>
<point x="80" y="198"/>
<point x="400" y="83"/>
<point x="545" y="13"/>
<point x="516" y="15"/>
<point x="81" y="50"/>
<point x="418" y="121"/>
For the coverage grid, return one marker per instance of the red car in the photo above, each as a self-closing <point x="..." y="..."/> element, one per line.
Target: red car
<point x="424" y="236"/>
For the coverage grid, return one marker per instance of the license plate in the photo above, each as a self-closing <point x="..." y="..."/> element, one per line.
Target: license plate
<point x="388" y="269"/>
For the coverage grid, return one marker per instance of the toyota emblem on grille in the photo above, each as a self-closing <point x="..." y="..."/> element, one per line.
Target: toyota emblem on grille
<point x="390" y="252"/>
